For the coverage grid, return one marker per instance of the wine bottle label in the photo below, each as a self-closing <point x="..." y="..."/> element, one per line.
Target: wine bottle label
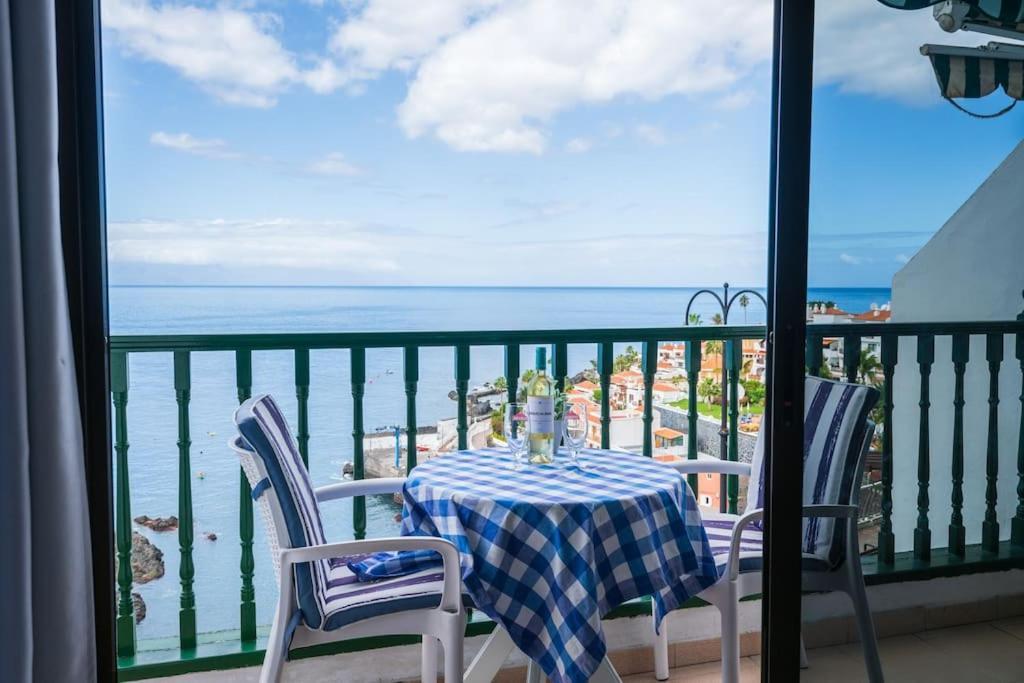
<point x="540" y="410"/>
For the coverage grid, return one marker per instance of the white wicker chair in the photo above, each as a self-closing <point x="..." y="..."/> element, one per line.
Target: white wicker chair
<point x="838" y="435"/>
<point x="320" y="600"/>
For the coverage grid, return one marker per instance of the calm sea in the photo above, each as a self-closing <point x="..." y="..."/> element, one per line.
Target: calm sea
<point x="152" y="411"/>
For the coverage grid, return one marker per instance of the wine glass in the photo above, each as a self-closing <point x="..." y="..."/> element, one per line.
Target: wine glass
<point x="575" y="428"/>
<point x="516" y="431"/>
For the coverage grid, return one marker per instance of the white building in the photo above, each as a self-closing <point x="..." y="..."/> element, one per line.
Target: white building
<point x="971" y="269"/>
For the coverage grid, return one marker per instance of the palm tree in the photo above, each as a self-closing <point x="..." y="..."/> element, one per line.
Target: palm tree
<point x="716" y="319"/>
<point x="713" y="346"/>
<point x="695" y="319"/>
<point x="867" y="367"/>
<point x="709" y="389"/>
<point x="744" y="302"/>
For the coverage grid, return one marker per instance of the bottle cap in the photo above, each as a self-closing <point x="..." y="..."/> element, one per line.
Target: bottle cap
<point x="541" y="358"/>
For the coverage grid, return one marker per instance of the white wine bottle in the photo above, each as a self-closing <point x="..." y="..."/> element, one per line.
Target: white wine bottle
<point x="540" y="411"/>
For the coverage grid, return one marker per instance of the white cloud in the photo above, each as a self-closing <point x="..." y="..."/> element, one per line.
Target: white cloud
<point x="233" y="54"/>
<point x="496" y="84"/>
<point x="487" y="75"/>
<point x="213" y="148"/>
<point x="867" y="48"/>
<point x="579" y="145"/>
<point x="279" y="243"/>
<point x="651" y="134"/>
<point x="850" y="259"/>
<point x="334" y="164"/>
<point x="735" y="100"/>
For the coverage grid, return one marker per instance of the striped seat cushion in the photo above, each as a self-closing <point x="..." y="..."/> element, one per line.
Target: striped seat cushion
<point x="349" y="600"/>
<point x="835" y="427"/>
<point x="719" y="528"/>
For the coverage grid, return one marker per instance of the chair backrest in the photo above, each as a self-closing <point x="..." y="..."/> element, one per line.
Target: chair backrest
<point x="281" y="481"/>
<point x="835" y="437"/>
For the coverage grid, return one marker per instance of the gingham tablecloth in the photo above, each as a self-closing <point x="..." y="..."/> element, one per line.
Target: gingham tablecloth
<point x="550" y="549"/>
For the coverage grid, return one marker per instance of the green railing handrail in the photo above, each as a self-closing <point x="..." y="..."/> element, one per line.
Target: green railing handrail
<point x="852" y="335"/>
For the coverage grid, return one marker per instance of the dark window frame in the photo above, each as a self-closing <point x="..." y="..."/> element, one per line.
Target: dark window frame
<point x="83" y="224"/>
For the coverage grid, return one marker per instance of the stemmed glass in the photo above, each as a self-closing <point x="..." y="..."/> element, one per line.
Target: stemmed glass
<point x="575" y="428"/>
<point x="517" y="431"/>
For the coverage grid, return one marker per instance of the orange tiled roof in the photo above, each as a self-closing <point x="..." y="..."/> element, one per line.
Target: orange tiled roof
<point x="666" y="433"/>
<point x="664" y="386"/>
<point x="877" y="315"/>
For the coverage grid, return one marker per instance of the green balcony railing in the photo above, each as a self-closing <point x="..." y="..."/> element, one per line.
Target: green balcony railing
<point x="193" y="651"/>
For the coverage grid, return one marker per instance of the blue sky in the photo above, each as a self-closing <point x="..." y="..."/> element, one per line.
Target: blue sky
<point x="478" y="142"/>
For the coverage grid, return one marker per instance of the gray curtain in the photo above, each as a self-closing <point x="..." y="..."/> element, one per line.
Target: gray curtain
<point x="46" y="617"/>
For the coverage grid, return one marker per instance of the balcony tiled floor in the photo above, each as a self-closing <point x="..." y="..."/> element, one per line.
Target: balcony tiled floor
<point x="991" y="652"/>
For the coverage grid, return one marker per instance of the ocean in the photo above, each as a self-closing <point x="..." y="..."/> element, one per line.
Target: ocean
<point x="152" y="411"/>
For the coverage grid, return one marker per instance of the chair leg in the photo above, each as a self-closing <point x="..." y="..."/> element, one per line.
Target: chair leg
<point x="453" y="650"/>
<point x="660" y="645"/>
<point x="273" y="660"/>
<point x="729" y="609"/>
<point x="428" y="660"/>
<point x="866" y="628"/>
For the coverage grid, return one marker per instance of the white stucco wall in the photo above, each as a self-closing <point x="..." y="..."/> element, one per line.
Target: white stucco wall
<point x="972" y="269"/>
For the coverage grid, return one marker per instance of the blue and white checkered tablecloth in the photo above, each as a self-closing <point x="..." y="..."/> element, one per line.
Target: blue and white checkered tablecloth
<point x="548" y="550"/>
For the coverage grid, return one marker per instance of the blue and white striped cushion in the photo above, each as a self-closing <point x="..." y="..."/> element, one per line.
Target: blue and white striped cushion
<point x="329" y="593"/>
<point x="719" y="527"/>
<point x="835" y="423"/>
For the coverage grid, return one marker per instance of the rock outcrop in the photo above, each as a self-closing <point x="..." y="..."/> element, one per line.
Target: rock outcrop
<point x="147" y="560"/>
<point x="158" y="523"/>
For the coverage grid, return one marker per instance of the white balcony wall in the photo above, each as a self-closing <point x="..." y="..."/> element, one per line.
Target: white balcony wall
<point x="971" y="270"/>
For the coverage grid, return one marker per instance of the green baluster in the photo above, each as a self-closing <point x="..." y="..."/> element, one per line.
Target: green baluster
<point x="461" y="389"/>
<point x="1017" y="526"/>
<point x="814" y="355"/>
<point x="302" y="394"/>
<point x="187" y="570"/>
<point x="957" y="533"/>
<point x="357" y="359"/>
<point x="922" y="534"/>
<point x="693" y="361"/>
<point x="512" y="371"/>
<point x="605" y="365"/>
<point x="851" y="357"/>
<point x="411" y="357"/>
<point x="560" y="364"/>
<point x="734" y="361"/>
<point x="125" y="606"/>
<point x="886" y="538"/>
<point x="247" y="564"/>
<point x="649" y="366"/>
<point x="990" y="527"/>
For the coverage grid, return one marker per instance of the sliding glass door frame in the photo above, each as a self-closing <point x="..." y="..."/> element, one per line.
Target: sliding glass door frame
<point x="787" y="299"/>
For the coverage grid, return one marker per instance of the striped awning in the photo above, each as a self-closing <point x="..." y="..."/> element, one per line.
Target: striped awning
<point x="1003" y="14"/>
<point x="976" y="72"/>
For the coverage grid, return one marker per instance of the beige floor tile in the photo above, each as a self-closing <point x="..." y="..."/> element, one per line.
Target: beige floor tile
<point x="992" y="654"/>
<point x="1014" y="626"/>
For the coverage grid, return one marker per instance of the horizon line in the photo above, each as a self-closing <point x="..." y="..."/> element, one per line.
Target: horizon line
<point x="732" y="287"/>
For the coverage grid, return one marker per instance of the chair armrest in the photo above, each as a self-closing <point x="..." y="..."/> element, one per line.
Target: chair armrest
<point x="711" y="467"/>
<point x="451" y="590"/>
<point x="817" y="510"/>
<point x="363" y="487"/>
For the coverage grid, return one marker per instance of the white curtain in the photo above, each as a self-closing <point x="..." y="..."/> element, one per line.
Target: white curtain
<point x="46" y="616"/>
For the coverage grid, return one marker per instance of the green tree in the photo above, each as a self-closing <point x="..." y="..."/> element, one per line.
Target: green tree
<point x="717" y="319"/>
<point x="713" y="346"/>
<point x="501" y="384"/>
<point x="867" y="367"/>
<point x="598" y="395"/>
<point x="744" y="302"/>
<point x="754" y="391"/>
<point x="709" y="390"/>
<point x="695" y="319"/>
<point x="625" y="361"/>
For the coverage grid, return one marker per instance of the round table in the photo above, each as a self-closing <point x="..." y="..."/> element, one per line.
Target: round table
<point x="549" y="549"/>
